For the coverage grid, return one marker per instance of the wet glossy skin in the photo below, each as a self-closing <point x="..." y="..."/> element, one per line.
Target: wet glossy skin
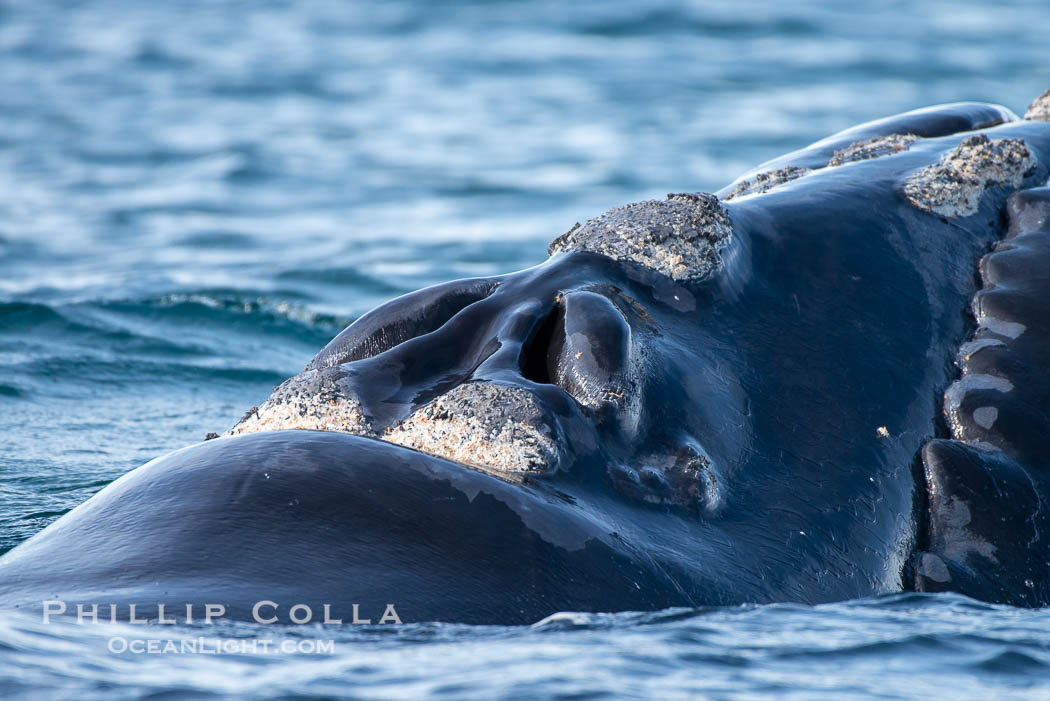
<point x="718" y="441"/>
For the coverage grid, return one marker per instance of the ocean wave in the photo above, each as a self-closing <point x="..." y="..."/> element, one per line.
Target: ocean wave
<point x="74" y="349"/>
<point x="680" y="653"/>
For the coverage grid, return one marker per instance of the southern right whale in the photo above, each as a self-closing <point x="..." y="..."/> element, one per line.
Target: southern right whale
<point x="827" y="380"/>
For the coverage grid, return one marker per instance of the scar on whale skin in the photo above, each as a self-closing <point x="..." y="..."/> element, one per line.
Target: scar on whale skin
<point x="684" y="477"/>
<point x="679" y="237"/>
<point x="953" y="186"/>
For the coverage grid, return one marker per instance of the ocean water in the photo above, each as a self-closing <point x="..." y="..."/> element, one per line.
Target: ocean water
<point x="196" y="196"/>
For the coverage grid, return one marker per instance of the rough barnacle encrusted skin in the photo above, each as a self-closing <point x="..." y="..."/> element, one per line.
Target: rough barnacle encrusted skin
<point x="313" y="399"/>
<point x="498" y="429"/>
<point x="1039" y="110"/>
<point x="953" y="186"/>
<point x="764" y="182"/>
<point x="679" y="237"/>
<point x="875" y="147"/>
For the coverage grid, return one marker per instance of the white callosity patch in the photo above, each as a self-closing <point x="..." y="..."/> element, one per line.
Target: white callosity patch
<point x="1039" y="110"/>
<point x="764" y="182"/>
<point x="959" y="542"/>
<point x="875" y="147"/>
<point x="953" y="186"/>
<point x="1000" y="327"/>
<point x="985" y="416"/>
<point x="955" y="396"/>
<point x="967" y="350"/>
<point x="496" y="428"/>
<point x="679" y="237"/>
<point x="933" y="568"/>
<point x="313" y="399"/>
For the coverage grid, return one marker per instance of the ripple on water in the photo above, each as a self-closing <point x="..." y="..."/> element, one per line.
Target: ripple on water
<point x="633" y="654"/>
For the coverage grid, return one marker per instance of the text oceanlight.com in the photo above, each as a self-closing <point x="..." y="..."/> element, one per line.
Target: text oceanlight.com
<point x="120" y="645"/>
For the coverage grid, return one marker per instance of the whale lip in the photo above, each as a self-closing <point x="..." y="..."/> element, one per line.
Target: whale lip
<point x="359" y="505"/>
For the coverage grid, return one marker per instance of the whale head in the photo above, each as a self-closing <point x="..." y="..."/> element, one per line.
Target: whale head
<point x="554" y="372"/>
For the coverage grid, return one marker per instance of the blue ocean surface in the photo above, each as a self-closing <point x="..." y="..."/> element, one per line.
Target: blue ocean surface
<point x="196" y="196"/>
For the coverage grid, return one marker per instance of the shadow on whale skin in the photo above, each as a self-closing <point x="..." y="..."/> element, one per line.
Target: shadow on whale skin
<point x="691" y="402"/>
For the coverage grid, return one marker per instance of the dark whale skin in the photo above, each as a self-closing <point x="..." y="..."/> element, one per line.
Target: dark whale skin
<point x="989" y="523"/>
<point x="807" y="373"/>
<point x="315" y="518"/>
